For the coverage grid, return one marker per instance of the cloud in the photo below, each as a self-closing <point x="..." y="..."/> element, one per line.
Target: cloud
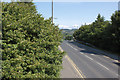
<point x="68" y="27"/>
<point x="64" y="27"/>
<point x="75" y="26"/>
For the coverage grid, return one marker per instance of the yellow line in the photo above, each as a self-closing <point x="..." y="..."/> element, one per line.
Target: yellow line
<point x="60" y="48"/>
<point x="76" y="68"/>
<point x="73" y="64"/>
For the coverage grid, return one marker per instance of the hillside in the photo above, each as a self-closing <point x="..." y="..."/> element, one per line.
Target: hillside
<point x="68" y="31"/>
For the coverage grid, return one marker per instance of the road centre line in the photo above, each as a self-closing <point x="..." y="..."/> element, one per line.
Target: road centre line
<point x="71" y="46"/>
<point x="89" y="57"/>
<point x="102" y="65"/>
<point x="106" y="68"/>
<point x="97" y="62"/>
<point x="93" y="60"/>
<point x="75" y="49"/>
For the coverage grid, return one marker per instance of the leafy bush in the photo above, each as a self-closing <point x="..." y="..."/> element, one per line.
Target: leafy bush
<point x="29" y="43"/>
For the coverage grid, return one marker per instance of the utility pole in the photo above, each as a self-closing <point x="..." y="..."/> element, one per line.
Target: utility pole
<point x="52" y="11"/>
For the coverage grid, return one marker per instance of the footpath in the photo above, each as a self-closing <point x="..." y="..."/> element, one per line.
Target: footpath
<point x="69" y="70"/>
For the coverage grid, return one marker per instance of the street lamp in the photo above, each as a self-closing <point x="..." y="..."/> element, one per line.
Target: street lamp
<point x="52" y="11"/>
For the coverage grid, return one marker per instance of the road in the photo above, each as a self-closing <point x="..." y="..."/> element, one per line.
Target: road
<point x="90" y="62"/>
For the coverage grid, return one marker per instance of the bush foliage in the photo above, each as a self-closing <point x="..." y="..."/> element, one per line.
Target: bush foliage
<point x="29" y="43"/>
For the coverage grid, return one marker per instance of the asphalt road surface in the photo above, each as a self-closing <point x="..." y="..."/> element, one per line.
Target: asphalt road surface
<point x="90" y="63"/>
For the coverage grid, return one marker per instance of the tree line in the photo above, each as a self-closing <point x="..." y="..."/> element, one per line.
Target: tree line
<point x="101" y="33"/>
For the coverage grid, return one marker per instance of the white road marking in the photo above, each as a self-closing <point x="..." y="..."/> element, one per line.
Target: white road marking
<point x="67" y="44"/>
<point x="95" y="61"/>
<point x="92" y="54"/>
<point x="81" y="53"/>
<point x="116" y="74"/>
<point x="89" y="57"/>
<point x="99" y="64"/>
<point x="102" y="65"/>
<point x="116" y="60"/>
<point x="71" y="46"/>
<point x="75" y="49"/>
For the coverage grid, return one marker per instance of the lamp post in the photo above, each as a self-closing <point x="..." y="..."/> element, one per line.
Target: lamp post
<point x="52" y="11"/>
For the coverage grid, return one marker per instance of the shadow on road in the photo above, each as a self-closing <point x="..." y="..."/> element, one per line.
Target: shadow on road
<point x="90" y="50"/>
<point x="117" y="63"/>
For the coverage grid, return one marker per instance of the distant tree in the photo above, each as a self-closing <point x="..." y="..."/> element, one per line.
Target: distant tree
<point x="68" y="37"/>
<point x="76" y="34"/>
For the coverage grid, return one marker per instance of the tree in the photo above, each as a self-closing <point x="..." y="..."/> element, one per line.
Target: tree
<point x="116" y="29"/>
<point x="76" y="34"/>
<point x="68" y="37"/>
<point x="101" y="33"/>
<point x="29" y="43"/>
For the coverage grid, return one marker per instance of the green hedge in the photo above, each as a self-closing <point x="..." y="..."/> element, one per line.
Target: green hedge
<point x="29" y="43"/>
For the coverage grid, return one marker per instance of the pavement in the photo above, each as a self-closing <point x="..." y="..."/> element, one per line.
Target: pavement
<point x="85" y="62"/>
<point x="69" y="69"/>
